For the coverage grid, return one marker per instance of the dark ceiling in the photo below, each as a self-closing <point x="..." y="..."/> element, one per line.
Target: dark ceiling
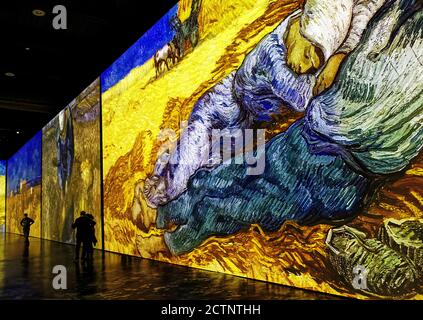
<point x="43" y="69"/>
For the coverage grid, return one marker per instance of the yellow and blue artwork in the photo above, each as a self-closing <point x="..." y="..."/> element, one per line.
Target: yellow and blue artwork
<point x="278" y="140"/>
<point x="71" y="167"/>
<point x="3" y="165"/>
<point x="24" y="187"/>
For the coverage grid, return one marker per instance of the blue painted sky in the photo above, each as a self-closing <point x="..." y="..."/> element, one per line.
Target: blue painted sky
<point x="2" y="168"/>
<point x="25" y="164"/>
<point x="145" y="48"/>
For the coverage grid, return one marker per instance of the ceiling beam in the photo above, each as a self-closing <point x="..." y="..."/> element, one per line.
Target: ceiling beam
<point x="24" y="106"/>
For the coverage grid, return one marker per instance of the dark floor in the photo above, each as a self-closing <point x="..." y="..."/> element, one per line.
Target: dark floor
<point x="26" y="273"/>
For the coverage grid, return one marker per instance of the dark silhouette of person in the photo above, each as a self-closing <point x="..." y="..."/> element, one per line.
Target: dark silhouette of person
<point x="92" y="238"/>
<point x="26" y="224"/>
<point x="84" y="226"/>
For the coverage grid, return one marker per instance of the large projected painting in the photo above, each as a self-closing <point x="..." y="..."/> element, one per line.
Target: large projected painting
<point x="71" y="166"/>
<point x="273" y="139"/>
<point x="24" y="187"/>
<point x="2" y="195"/>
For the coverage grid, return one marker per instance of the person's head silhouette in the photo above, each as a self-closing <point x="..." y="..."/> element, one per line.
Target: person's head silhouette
<point x="83" y="213"/>
<point x="26" y="215"/>
<point x="89" y="215"/>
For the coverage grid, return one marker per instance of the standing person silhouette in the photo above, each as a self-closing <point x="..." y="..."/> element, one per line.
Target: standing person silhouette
<point x="83" y="226"/>
<point x="26" y="224"/>
<point x="92" y="238"/>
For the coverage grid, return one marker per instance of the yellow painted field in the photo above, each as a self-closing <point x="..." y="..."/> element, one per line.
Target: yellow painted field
<point x="27" y="201"/>
<point x="139" y="102"/>
<point x="139" y="106"/>
<point x="2" y="200"/>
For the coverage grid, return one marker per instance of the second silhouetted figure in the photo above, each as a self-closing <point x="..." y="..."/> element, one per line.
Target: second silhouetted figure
<point x="84" y="229"/>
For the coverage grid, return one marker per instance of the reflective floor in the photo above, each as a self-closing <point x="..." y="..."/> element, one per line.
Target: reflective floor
<point x="26" y="273"/>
